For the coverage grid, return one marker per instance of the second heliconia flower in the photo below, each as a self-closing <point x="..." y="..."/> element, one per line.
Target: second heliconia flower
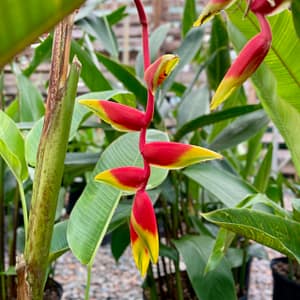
<point x="247" y="62"/>
<point x="120" y="116"/>
<point x="124" y="178"/>
<point x="173" y="155"/>
<point x="159" y="70"/>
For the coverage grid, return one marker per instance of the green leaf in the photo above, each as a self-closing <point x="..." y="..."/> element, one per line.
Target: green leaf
<point x="157" y="38"/>
<point x="194" y="105"/>
<point x="117" y="15"/>
<point x="120" y="240"/>
<point x="79" y="163"/>
<point x="253" y="151"/>
<point x="262" y="177"/>
<point x="275" y="232"/>
<point x="261" y="202"/>
<point x="101" y="30"/>
<point x="21" y="23"/>
<point x="189" y="16"/>
<point x="296" y="209"/>
<point x="213" y="118"/>
<point x="186" y="52"/>
<point x="31" y="103"/>
<point x="217" y="284"/>
<point x="221" y="245"/>
<point x="93" y="211"/>
<point x="12" y="147"/>
<point x="11" y="271"/>
<point x="228" y="188"/>
<point x="41" y="53"/>
<point x="296" y="16"/>
<point x="59" y="243"/>
<point x="277" y="81"/>
<point x="240" y="130"/>
<point x="91" y="76"/>
<point x="121" y="216"/>
<point x="126" y="77"/>
<point x="219" y="44"/>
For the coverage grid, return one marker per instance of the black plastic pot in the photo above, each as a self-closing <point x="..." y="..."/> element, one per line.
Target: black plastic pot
<point x="53" y="290"/>
<point x="283" y="287"/>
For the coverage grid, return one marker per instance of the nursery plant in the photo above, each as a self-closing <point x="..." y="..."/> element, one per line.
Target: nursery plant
<point x="130" y="188"/>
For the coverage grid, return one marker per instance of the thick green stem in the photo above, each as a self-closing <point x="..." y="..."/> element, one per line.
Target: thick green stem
<point x="50" y="159"/>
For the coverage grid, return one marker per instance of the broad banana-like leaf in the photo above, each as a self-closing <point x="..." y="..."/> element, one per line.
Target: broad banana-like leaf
<point x="22" y="22"/>
<point x="273" y="231"/>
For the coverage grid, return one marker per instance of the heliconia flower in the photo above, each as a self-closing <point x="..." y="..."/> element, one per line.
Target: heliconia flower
<point x="124" y="178"/>
<point x="143" y="222"/>
<point x="139" y="251"/>
<point x="120" y="116"/>
<point x="212" y="8"/>
<point x="245" y="64"/>
<point x="267" y="7"/>
<point x="173" y="155"/>
<point x="158" y="71"/>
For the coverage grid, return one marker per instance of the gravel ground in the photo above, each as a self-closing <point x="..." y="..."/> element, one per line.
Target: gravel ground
<point x="110" y="281"/>
<point x="121" y="281"/>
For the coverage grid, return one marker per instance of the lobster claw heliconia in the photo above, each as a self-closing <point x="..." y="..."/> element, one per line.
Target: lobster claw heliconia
<point x="143" y="231"/>
<point x="173" y="155"/>
<point x="124" y="178"/>
<point x="247" y="62"/>
<point x="159" y="70"/>
<point x="119" y="116"/>
<point x="211" y="8"/>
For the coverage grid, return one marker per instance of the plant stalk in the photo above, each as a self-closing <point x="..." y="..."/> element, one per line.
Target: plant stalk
<point x="50" y="159"/>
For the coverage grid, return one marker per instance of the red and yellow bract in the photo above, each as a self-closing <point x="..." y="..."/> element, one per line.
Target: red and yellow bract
<point x="125" y="178"/>
<point x="120" y="116"/>
<point x="173" y="155"/>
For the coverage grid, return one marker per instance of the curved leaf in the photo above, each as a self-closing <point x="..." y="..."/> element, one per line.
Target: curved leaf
<point x="22" y="22"/>
<point x="90" y="74"/>
<point x="219" y="44"/>
<point x="92" y="213"/>
<point x="276" y="232"/>
<point x="186" y="52"/>
<point x="31" y="103"/>
<point x="12" y="147"/>
<point x="217" y="284"/>
<point x="59" y="243"/>
<point x="227" y="187"/>
<point x="213" y="118"/>
<point x="240" y="130"/>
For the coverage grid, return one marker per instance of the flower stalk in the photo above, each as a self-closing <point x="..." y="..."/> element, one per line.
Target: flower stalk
<point x="143" y="226"/>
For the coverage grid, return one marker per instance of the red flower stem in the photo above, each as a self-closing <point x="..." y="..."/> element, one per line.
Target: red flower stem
<point x="145" y="35"/>
<point x="150" y="100"/>
<point x="264" y="26"/>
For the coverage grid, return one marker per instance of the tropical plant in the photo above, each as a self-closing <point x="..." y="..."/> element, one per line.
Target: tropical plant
<point x="170" y="210"/>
